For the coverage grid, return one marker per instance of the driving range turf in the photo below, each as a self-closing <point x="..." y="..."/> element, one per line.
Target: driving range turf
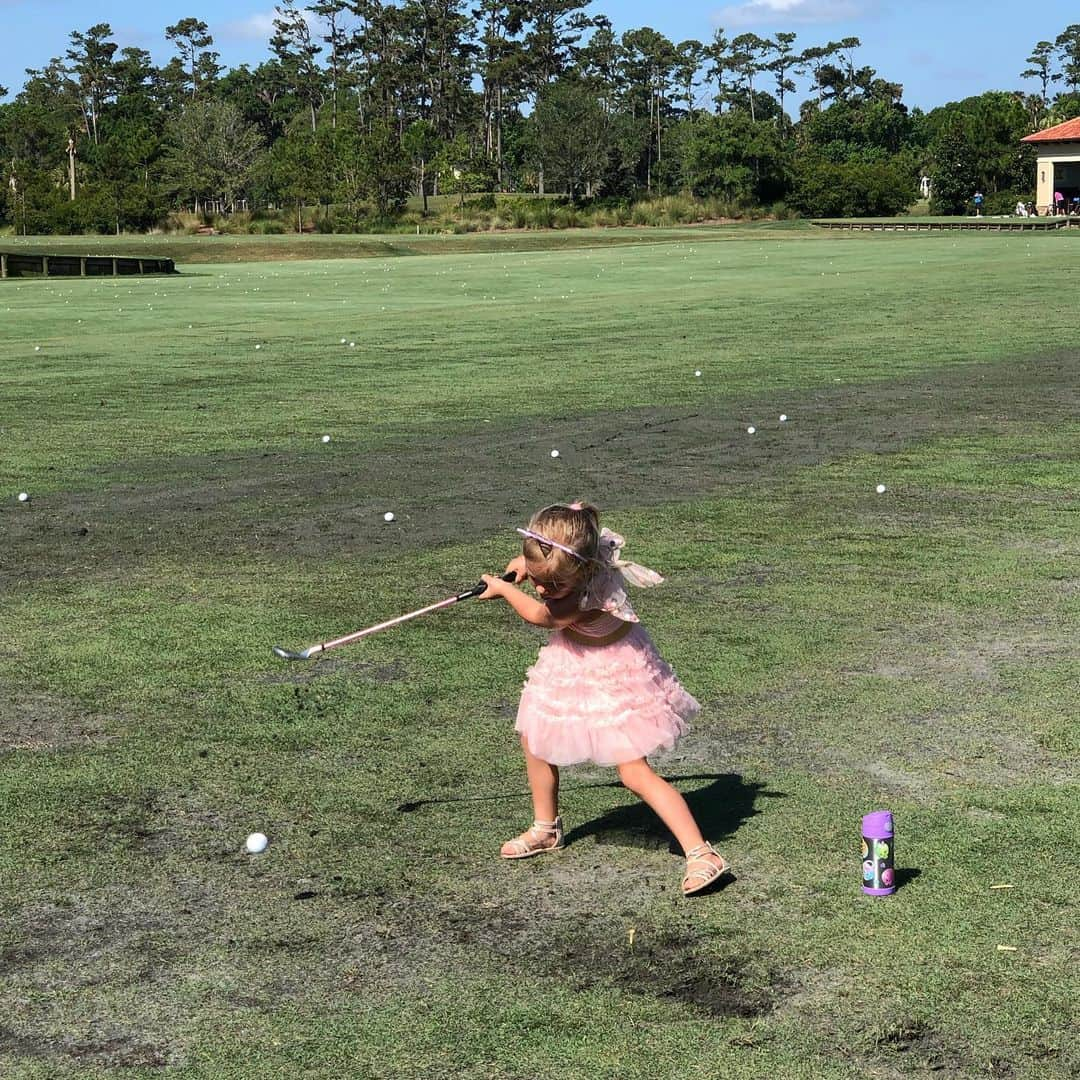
<point x="912" y="650"/>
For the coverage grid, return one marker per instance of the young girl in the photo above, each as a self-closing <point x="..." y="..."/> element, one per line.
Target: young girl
<point x="599" y="691"/>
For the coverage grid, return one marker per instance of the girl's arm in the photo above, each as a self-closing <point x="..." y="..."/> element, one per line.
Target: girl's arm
<point x="553" y="616"/>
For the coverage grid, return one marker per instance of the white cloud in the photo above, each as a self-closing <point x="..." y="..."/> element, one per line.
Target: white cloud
<point x="257" y="27"/>
<point x="791" y="12"/>
<point x="260" y="26"/>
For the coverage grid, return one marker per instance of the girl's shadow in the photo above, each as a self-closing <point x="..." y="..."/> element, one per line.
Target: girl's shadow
<point x="719" y="809"/>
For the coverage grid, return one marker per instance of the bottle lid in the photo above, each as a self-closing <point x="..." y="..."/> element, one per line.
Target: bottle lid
<point x="879" y="823"/>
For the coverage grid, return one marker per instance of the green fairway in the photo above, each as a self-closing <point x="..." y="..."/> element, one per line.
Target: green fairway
<point x="912" y="650"/>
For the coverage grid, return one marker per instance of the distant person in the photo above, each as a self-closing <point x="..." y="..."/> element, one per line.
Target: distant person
<point x="1076" y="204"/>
<point x="1021" y="210"/>
<point x="599" y="690"/>
<point x="1058" y="200"/>
<point x="978" y="200"/>
<point x="1032" y="209"/>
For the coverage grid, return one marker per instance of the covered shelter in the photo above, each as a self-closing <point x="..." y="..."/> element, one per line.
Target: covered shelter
<point x="1058" y="168"/>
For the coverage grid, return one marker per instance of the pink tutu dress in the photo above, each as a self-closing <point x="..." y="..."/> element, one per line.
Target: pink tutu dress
<point x="600" y="691"/>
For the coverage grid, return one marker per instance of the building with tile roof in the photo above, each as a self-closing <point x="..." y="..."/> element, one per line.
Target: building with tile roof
<point x="1058" y="168"/>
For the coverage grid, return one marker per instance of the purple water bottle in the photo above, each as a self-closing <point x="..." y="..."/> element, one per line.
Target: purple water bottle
<point x="879" y="854"/>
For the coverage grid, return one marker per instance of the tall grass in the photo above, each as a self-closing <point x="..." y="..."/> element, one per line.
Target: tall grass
<point x="478" y="213"/>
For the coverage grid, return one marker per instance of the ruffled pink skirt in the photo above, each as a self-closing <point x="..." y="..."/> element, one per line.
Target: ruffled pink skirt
<point x="608" y="704"/>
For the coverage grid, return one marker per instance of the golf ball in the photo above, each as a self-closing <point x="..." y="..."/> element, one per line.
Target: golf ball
<point x="751" y="429"/>
<point x="388" y="516"/>
<point x="697" y="374"/>
<point x="783" y="418"/>
<point x="258" y="346"/>
<point x="880" y="489"/>
<point x="256" y="842"/>
<point x="326" y="438"/>
<point x="37" y="348"/>
<point x="554" y="453"/>
<point x="342" y="341"/>
<point x="23" y="497"/>
<point x="352" y="344"/>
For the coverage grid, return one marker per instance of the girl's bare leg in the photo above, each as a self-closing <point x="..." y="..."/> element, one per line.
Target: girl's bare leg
<point x="544" y="785"/>
<point x="668" y="803"/>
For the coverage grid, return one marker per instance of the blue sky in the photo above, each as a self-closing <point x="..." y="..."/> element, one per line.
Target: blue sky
<point x="940" y="50"/>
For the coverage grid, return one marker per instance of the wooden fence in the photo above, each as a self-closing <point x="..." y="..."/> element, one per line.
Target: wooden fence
<point x="957" y="224"/>
<point x="21" y="264"/>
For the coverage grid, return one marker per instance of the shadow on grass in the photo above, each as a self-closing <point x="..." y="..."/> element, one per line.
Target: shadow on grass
<point x="719" y="808"/>
<point x="905" y="875"/>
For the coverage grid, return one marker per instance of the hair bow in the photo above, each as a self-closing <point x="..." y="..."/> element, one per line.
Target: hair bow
<point x="611" y="544"/>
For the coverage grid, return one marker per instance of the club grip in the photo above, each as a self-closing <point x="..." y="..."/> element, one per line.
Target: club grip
<point x="477" y="589"/>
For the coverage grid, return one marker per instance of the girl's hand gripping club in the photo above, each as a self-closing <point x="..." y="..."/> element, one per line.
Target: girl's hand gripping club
<point x="313" y="650"/>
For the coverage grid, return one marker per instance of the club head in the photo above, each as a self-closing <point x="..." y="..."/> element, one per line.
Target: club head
<point x="284" y="654"/>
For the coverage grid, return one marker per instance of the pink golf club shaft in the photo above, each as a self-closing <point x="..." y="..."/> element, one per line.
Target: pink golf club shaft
<point x="386" y="625"/>
<point x="476" y="590"/>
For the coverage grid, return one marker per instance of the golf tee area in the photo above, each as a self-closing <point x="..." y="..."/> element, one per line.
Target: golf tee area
<point x="876" y="601"/>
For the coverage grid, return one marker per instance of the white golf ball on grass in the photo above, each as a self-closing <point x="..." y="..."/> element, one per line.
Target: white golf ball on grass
<point x="23" y="497"/>
<point x="388" y="516"/>
<point x="880" y="489"/>
<point x="554" y="453"/>
<point x="783" y="418"/>
<point x="256" y="842"/>
<point x="697" y="374"/>
<point x="751" y="429"/>
<point x="326" y="438"/>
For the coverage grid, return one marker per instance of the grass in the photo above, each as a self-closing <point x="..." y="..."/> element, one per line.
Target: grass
<point x="914" y="650"/>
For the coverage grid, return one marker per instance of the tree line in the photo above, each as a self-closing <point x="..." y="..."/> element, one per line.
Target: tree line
<point x="362" y="103"/>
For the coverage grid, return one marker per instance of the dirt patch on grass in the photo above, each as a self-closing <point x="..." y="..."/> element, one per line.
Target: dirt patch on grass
<point x="606" y="912"/>
<point x="320" y="668"/>
<point x="40" y="721"/>
<point x="665" y="965"/>
<point x="75" y="948"/>
<point x="124" y="1051"/>
<point x="916" y="755"/>
<point x="469" y="483"/>
<point x="911" y="1045"/>
<point x="543" y="932"/>
<point x="116" y="959"/>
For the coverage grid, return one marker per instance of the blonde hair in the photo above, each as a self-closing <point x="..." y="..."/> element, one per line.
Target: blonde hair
<point x="576" y="526"/>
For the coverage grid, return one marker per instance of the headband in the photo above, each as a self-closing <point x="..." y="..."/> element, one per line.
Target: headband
<point x="552" y="543"/>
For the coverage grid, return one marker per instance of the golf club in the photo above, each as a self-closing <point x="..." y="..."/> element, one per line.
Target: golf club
<point x="313" y="650"/>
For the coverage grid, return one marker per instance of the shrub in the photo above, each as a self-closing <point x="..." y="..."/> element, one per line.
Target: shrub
<point x="605" y="215"/>
<point x="1004" y="202"/>
<point x="851" y="189"/>
<point x="542" y="214"/>
<point x="679" y="210"/>
<point x="645" y="213"/>
<point x="565" y="217"/>
<point x="517" y="210"/>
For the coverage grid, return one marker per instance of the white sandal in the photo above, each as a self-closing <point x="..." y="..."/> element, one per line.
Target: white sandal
<point x="706" y="872"/>
<point x="532" y="841"/>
